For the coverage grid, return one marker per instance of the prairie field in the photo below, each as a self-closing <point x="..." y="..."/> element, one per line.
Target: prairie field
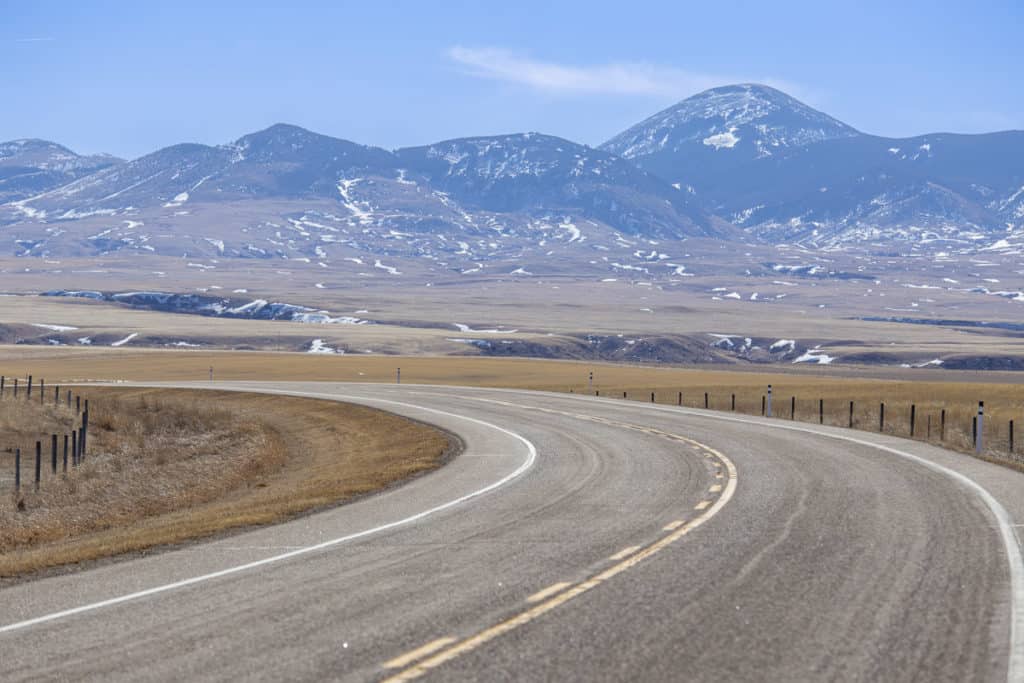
<point x="956" y="392"/>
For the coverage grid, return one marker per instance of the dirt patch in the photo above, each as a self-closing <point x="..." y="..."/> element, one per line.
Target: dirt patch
<point x="168" y="465"/>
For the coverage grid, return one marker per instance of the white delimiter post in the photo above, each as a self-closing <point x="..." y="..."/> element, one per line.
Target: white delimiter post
<point x="768" y="410"/>
<point x="398" y="376"/>
<point x="981" y="430"/>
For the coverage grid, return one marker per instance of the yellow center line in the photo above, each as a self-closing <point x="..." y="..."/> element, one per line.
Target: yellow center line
<point x="549" y="591"/>
<point x="488" y="634"/>
<point x="625" y="552"/>
<point x="419" y="653"/>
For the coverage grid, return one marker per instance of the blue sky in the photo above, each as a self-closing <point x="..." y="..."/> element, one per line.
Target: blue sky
<point x="128" y="78"/>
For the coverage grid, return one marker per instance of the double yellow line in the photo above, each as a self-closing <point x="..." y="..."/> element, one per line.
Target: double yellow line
<point x="435" y="653"/>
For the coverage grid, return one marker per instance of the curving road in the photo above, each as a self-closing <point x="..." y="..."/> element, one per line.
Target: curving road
<point x="576" y="538"/>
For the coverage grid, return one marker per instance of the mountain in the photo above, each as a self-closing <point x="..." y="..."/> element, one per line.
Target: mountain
<point x="29" y="167"/>
<point x="531" y="172"/>
<point x="718" y="130"/>
<point x="786" y="172"/>
<point x="281" y="161"/>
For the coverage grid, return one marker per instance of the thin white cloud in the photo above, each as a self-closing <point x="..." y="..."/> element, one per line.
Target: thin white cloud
<point x="32" y="40"/>
<point x="616" y="78"/>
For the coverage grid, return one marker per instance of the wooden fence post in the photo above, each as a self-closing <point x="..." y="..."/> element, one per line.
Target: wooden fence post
<point x="762" y="405"/>
<point x="17" y="469"/>
<point x="53" y="454"/>
<point x="39" y="462"/>
<point x="74" y="448"/>
<point x="942" y="425"/>
<point x="65" y="452"/>
<point x="3" y="381"/>
<point x="913" y="419"/>
<point x="792" y="408"/>
<point x="56" y="395"/>
<point x="821" y="411"/>
<point x="706" y="404"/>
<point x="42" y="391"/>
<point x="652" y="397"/>
<point x="733" y="406"/>
<point x="881" y="417"/>
<point x="29" y="390"/>
<point x="851" y="414"/>
<point x="69" y="399"/>
<point x="1011" y="436"/>
<point x="680" y="398"/>
<point x="15" y="387"/>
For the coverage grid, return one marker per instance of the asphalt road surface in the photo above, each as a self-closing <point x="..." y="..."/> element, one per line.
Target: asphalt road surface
<point x="576" y="539"/>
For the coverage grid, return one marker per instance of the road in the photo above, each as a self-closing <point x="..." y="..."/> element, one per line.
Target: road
<point x="575" y="538"/>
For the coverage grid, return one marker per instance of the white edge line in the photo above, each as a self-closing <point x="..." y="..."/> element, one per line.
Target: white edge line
<point x="527" y="464"/>
<point x="1015" y="668"/>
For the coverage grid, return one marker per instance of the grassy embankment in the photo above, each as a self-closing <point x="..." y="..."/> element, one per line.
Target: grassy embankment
<point x="164" y="466"/>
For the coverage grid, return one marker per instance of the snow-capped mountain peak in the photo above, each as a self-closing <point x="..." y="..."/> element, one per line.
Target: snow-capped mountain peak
<point x="755" y="119"/>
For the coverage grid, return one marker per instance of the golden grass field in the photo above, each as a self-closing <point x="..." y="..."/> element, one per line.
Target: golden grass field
<point x="165" y="466"/>
<point x="956" y="392"/>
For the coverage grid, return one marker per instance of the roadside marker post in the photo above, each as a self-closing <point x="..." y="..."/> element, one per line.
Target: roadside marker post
<point x="706" y="404"/>
<point x="42" y="391"/>
<point x="980" y="437"/>
<point x="734" y="403"/>
<point x="768" y="410"/>
<point x="881" y="417"/>
<point x="792" y="408"/>
<point x="821" y="411"/>
<point x="590" y="381"/>
<point x="29" y="389"/>
<point x="851" y="414"/>
<point x="913" y="419"/>
<point x="652" y="397"/>
<point x="398" y="376"/>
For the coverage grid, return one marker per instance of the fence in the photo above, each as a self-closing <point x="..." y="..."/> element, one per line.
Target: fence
<point x="954" y="427"/>
<point x="66" y="451"/>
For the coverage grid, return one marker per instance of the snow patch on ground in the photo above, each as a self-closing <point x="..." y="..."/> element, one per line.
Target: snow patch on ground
<point x="727" y="140"/>
<point x="815" y="355"/>
<point x="127" y="339"/>
<point x="54" y="328"/>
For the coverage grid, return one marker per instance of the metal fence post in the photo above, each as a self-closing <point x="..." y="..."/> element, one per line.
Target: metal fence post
<point x="768" y="410"/>
<point x="881" y="417"/>
<point x="53" y="454"/>
<point x="942" y="425"/>
<point x="851" y="414"/>
<point x="762" y="405"/>
<point x="39" y="462"/>
<point x="3" y="381"/>
<point x="680" y="401"/>
<point x="821" y="411"/>
<point x="707" y="404"/>
<point x="792" y="408"/>
<point x="29" y="394"/>
<point x="652" y="397"/>
<point x="1011" y="436"/>
<point x="42" y="391"/>
<point x="65" y="452"/>
<point x="733" y="404"/>
<point x="17" y="469"/>
<point x="913" y="419"/>
<point x="74" y="448"/>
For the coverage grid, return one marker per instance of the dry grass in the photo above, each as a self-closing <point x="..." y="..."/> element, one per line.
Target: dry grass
<point x="170" y="465"/>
